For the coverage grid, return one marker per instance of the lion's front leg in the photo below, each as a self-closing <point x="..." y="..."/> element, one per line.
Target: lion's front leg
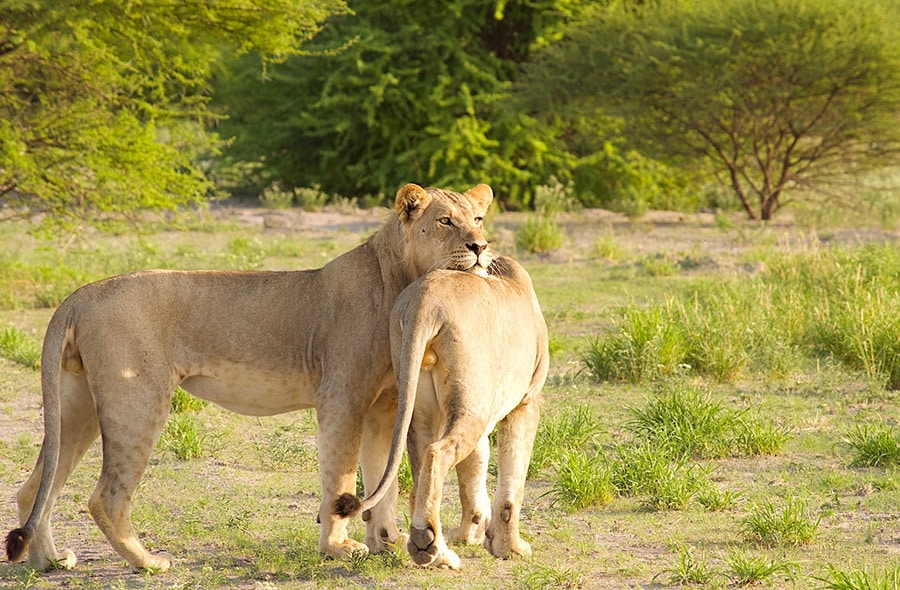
<point x="515" y="440"/>
<point x="340" y="434"/>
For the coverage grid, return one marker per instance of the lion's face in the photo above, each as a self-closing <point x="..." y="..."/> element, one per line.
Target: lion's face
<point x="444" y="229"/>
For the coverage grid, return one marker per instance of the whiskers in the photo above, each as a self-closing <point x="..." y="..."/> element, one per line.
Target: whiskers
<point x="498" y="267"/>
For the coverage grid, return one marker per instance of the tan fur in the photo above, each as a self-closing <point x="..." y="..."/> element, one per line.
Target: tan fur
<point x="258" y="343"/>
<point x="470" y="352"/>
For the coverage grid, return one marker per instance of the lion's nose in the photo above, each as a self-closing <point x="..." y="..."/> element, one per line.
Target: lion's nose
<point x="476" y="247"/>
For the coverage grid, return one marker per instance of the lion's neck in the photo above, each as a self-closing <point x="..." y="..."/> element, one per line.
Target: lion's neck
<point x="387" y="245"/>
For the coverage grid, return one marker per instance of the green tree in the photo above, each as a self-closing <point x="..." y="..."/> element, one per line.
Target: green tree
<point x="102" y="101"/>
<point x="778" y="96"/>
<point x="408" y="90"/>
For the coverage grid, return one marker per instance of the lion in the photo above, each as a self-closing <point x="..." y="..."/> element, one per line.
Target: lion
<point x="258" y="343"/>
<point x="470" y="353"/>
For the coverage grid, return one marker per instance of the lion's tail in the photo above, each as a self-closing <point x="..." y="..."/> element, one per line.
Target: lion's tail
<point x="18" y="540"/>
<point x="410" y="334"/>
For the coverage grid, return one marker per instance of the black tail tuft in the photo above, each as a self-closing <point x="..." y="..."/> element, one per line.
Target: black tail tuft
<point x="17" y="542"/>
<point x="346" y="505"/>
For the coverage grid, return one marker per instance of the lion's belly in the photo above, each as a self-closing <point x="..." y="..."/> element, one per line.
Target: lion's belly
<point x="252" y="391"/>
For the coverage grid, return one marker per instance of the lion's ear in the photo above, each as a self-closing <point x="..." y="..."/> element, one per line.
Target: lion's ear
<point x="411" y="200"/>
<point x="481" y="196"/>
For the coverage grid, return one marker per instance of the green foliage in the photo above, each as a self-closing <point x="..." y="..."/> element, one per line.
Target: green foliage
<point x="287" y="446"/>
<point x="19" y="347"/>
<point x="789" y="526"/>
<point x="102" y="103"/>
<point x="715" y="500"/>
<point x="776" y="96"/>
<point x="397" y="92"/>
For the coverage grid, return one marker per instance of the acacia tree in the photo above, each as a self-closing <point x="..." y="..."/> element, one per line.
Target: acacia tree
<point x="102" y="101"/>
<point x="777" y="95"/>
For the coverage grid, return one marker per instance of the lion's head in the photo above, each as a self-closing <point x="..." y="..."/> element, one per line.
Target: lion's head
<point x="444" y="229"/>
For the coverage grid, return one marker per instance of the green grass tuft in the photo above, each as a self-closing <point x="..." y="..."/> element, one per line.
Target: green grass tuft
<point x="19" y="347"/>
<point x="861" y="580"/>
<point x="790" y="526"/>
<point x="874" y="445"/>
<point x="752" y="570"/>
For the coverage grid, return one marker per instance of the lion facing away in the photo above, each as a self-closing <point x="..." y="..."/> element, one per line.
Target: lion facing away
<point x="257" y="343"/>
<point x="469" y="352"/>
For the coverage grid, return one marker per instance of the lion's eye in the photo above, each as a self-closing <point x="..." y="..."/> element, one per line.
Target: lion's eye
<point x="478" y="220"/>
<point x="445" y="221"/>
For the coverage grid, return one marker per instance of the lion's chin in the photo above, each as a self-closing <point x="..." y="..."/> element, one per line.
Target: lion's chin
<point x="479" y="270"/>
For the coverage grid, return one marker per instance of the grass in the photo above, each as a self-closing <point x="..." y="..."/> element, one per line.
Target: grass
<point x="539" y="235"/>
<point x="874" y="445"/>
<point x="770" y="526"/>
<point x="728" y="435"/>
<point x="183" y="437"/>
<point x="582" y="480"/>
<point x="19" y="347"/>
<point x="816" y="302"/>
<point x="861" y="579"/>
<point x="750" y="570"/>
<point x="689" y="569"/>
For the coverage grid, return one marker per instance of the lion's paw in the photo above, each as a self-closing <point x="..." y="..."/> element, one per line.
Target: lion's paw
<point x="344" y="549"/>
<point x="466" y="535"/>
<point x="501" y="545"/>
<point x="156" y="563"/>
<point x="448" y="559"/>
<point x="65" y="561"/>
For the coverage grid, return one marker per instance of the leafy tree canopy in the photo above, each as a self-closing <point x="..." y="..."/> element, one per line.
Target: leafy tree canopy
<point x="414" y="91"/>
<point x="777" y="96"/>
<point x="101" y="101"/>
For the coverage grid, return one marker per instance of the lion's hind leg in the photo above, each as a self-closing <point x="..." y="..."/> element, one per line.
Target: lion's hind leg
<point x="515" y="441"/>
<point x="427" y="545"/>
<point x="78" y="430"/>
<point x="475" y="502"/>
<point x="130" y="430"/>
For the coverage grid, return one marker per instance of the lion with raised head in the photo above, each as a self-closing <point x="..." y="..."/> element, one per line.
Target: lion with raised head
<point x="470" y="353"/>
<point x="257" y="343"/>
